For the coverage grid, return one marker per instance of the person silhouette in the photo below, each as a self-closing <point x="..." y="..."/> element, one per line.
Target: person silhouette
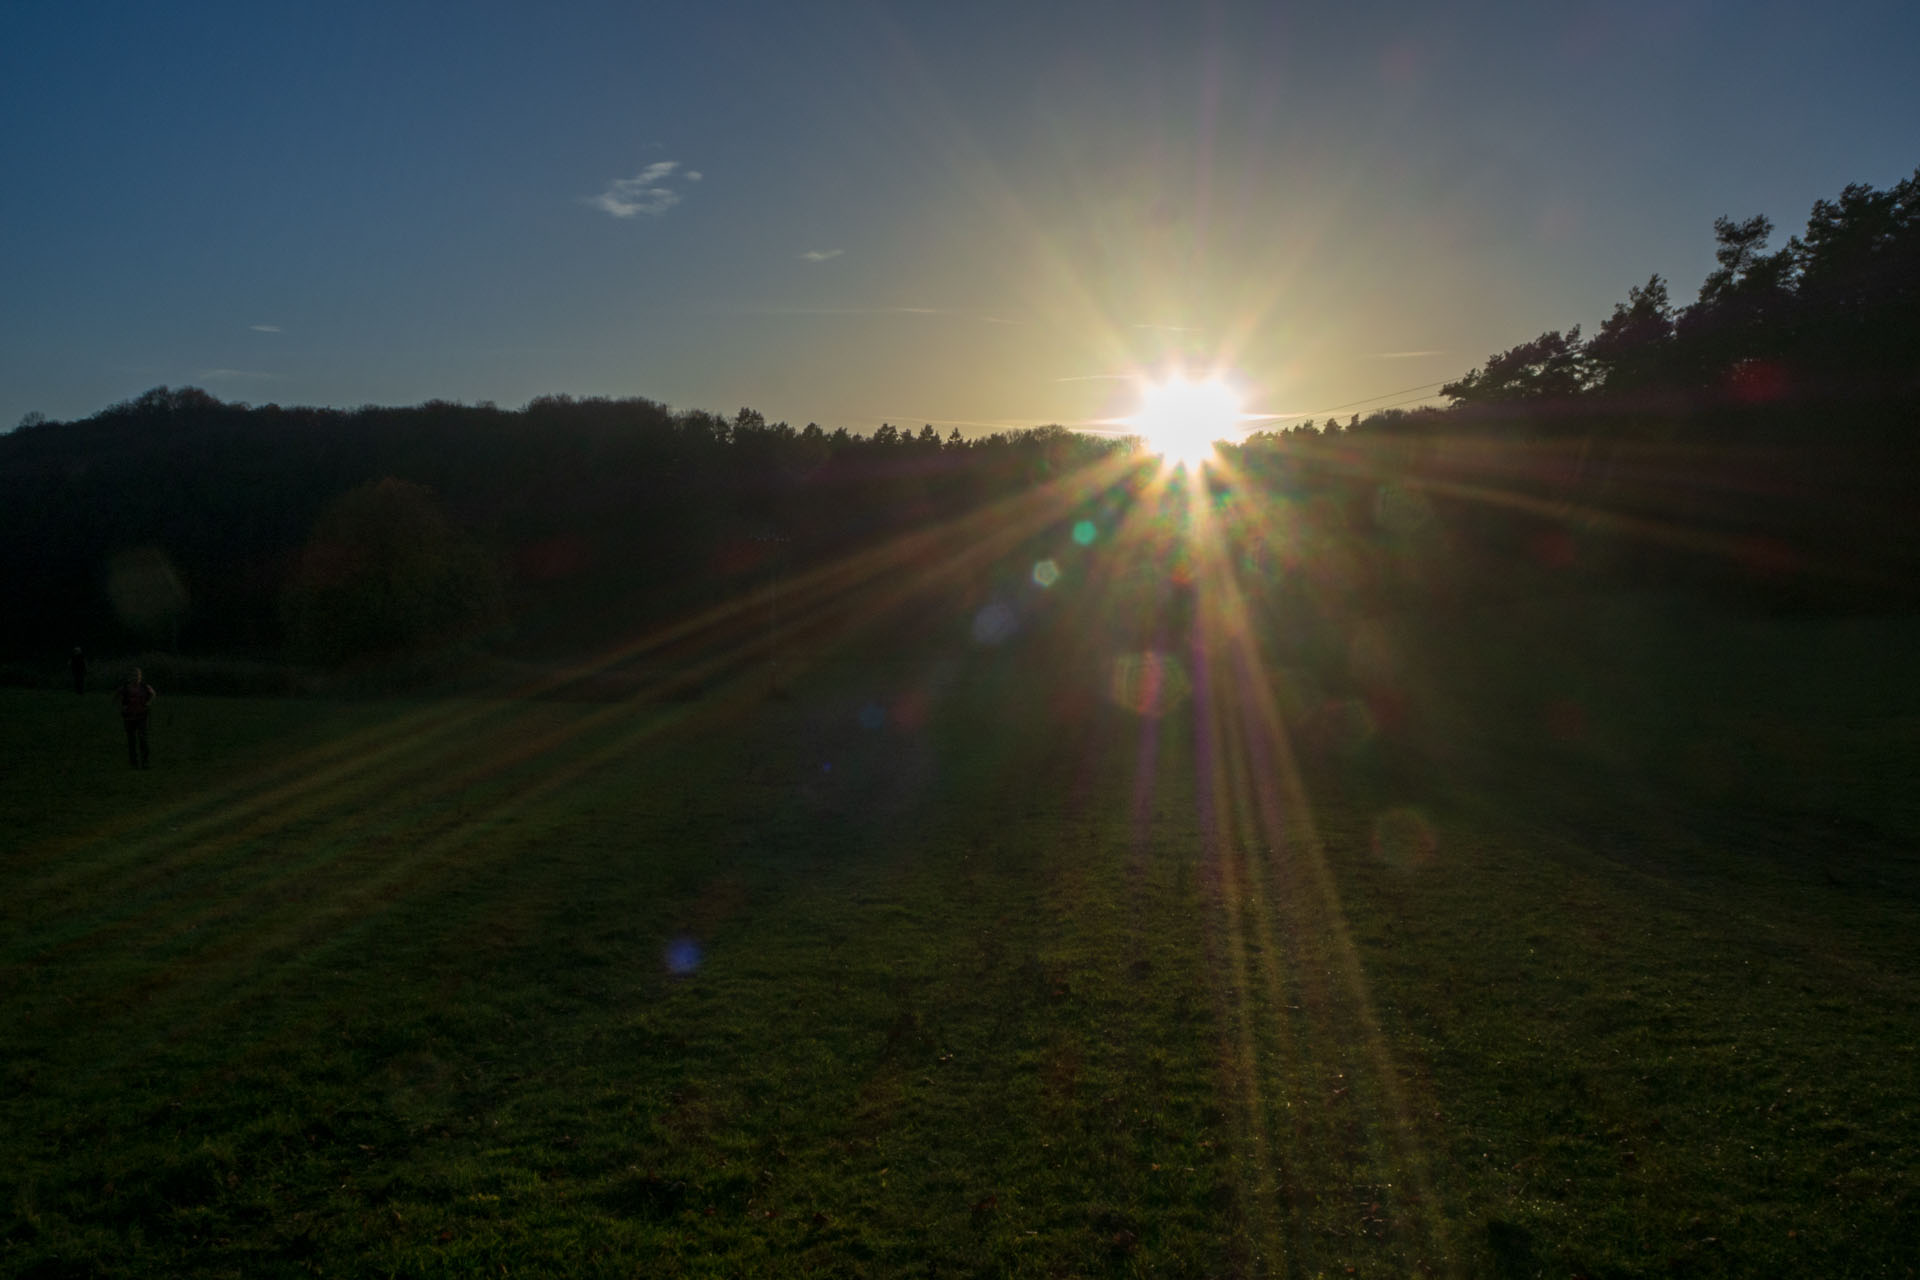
<point x="136" y="695"/>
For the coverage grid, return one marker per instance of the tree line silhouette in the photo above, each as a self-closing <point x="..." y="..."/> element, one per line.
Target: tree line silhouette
<point x="1831" y="318"/>
<point x="1759" y="439"/>
<point x="579" y="520"/>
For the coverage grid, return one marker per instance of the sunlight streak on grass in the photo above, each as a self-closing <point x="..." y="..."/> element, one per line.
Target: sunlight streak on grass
<point x="1259" y="774"/>
<point x="441" y="752"/>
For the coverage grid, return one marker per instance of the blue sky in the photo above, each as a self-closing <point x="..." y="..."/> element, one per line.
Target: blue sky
<point x="980" y="214"/>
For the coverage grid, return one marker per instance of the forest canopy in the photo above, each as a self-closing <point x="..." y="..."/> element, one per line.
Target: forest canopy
<point x="1831" y="317"/>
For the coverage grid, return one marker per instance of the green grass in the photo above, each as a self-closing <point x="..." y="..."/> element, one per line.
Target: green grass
<point x="383" y="988"/>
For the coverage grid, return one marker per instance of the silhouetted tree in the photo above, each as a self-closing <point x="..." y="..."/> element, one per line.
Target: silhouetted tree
<point x="1858" y="268"/>
<point x="384" y="575"/>
<point x="1744" y="307"/>
<point x="1549" y="368"/>
<point x="1633" y="349"/>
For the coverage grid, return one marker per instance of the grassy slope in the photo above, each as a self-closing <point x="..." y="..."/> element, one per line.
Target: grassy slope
<point x="1661" y="964"/>
<point x="382" y="987"/>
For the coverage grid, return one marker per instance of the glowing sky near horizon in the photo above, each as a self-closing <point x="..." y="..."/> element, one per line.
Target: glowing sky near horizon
<point x="985" y="215"/>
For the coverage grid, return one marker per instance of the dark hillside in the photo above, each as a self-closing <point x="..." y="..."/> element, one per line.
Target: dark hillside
<point x="600" y="515"/>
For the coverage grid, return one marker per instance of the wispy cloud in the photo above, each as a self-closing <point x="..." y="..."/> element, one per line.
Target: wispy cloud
<point x="651" y="191"/>
<point x="264" y="328"/>
<point x="233" y="375"/>
<point x="1405" y="355"/>
<point x="822" y="255"/>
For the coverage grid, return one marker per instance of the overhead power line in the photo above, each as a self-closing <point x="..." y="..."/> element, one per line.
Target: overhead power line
<point x="1354" y="404"/>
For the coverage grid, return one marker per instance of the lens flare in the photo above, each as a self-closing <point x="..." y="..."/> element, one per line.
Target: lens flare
<point x="1148" y="684"/>
<point x="682" y="956"/>
<point x="994" y="624"/>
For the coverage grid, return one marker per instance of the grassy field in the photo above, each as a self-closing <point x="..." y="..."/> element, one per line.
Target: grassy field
<point x="1561" y="940"/>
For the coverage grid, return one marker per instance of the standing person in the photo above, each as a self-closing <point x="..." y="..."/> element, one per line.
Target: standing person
<point x="79" y="664"/>
<point x="136" y="695"/>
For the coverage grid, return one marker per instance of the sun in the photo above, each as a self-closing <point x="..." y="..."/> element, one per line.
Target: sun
<point x="1181" y="419"/>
